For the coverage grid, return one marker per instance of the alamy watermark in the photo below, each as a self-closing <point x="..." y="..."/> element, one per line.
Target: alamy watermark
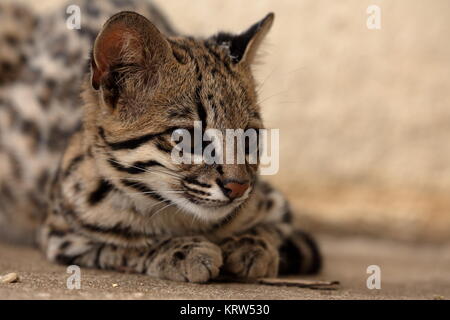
<point x="374" y="280"/>
<point x="373" y="21"/>
<point x="229" y="146"/>
<point x="73" y="22"/>
<point x="74" y="280"/>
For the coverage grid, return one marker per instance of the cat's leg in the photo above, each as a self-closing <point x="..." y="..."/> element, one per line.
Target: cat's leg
<point x="268" y="250"/>
<point x="189" y="259"/>
<point x="272" y="247"/>
<point x="250" y="255"/>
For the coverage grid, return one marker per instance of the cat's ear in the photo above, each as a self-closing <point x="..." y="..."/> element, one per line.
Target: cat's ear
<point x="243" y="47"/>
<point x="126" y="40"/>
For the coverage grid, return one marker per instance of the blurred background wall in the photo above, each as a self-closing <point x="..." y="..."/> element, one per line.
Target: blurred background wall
<point x="364" y="115"/>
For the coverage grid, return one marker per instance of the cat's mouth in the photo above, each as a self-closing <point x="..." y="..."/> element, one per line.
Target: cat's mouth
<point x="214" y="203"/>
<point x="208" y="209"/>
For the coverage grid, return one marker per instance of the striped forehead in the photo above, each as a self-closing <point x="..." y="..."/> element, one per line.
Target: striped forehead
<point x="220" y="97"/>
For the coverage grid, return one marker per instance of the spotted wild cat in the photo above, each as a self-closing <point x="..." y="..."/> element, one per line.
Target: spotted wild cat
<point x="116" y="200"/>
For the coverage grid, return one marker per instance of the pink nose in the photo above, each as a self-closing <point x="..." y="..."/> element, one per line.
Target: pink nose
<point x="235" y="190"/>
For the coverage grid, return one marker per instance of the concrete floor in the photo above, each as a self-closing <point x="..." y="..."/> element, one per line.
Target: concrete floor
<point x="407" y="272"/>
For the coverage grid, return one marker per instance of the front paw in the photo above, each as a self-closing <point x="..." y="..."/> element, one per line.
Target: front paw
<point x="189" y="259"/>
<point x="249" y="257"/>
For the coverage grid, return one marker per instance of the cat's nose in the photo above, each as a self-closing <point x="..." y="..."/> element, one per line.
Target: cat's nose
<point x="234" y="189"/>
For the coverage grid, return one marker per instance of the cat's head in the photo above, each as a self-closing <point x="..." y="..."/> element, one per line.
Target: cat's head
<point x="145" y="87"/>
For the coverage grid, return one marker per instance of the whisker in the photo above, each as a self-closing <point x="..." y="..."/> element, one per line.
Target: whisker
<point x="161" y="210"/>
<point x="264" y="81"/>
<point x="159" y="202"/>
<point x="153" y="192"/>
<point x="127" y="178"/>
<point x="272" y="96"/>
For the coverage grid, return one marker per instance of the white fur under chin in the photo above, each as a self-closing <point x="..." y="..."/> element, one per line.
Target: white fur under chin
<point x="203" y="213"/>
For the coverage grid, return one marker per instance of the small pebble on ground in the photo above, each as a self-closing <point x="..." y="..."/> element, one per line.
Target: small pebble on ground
<point x="9" y="278"/>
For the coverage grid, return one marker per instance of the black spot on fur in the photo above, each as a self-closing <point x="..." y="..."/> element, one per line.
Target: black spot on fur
<point x="219" y="169"/>
<point x="117" y="229"/>
<point x="11" y="40"/>
<point x="179" y="255"/>
<point x="56" y="233"/>
<point x="73" y="165"/>
<point x="287" y="216"/>
<point x="103" y="188"/>
<point x="269" y="204"/>
<point x="65" y="245"/>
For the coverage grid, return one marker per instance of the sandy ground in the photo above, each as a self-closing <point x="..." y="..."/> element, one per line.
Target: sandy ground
<point x="407" y="272"/>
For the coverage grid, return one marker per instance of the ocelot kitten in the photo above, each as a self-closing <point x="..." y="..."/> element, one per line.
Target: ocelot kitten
<point x="115" y="199"/>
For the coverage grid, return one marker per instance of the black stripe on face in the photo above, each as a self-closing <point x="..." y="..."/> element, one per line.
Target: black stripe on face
<point x="199" y="192"/>
<point x="192" y="180"/>
<point x="73" y="165"/>
<point x="136" y="168"/>
<point x="164" y="145"/>
<point x="200" y="108"/>
<point x="104" y="187"/>
<point x="144" y="189"/>
<point x="132" y="143"/>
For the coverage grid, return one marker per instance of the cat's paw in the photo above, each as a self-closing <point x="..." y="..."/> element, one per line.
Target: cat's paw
<point x="190" y="259"/>
<point x="249" y="257"/>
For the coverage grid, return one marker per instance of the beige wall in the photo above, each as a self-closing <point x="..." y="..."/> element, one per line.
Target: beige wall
<point x="364" y="115"/>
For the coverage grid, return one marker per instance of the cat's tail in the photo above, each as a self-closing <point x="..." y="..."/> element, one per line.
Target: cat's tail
<point x="300" y="254"/>
<point x="17" y="23"/>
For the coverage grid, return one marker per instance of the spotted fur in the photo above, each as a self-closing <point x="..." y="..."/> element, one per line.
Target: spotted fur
<point x="17" y="25"/>
<point x="116" y="200"/>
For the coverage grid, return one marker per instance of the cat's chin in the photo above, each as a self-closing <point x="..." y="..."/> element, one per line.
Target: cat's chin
<point x="205" y="213"/>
